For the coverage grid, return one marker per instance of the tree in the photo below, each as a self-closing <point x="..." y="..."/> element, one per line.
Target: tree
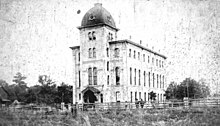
<point x="152" y="96"/>
<point x="20" y="87"/>
<point x="48" y="90"/>
<point x="187" y="88"/>
<point x="64" y="93"/>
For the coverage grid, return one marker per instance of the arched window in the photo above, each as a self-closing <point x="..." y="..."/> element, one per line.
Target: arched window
<point x="90" y="76"/>
<point x="94" y="52"/>
<point x="93" y="35"/>
<point x="117" y="75"/>
<point x="95" y="75"/>
<point x="90" y="52"/>
<point x="116" y="52"/>
<point x="90" y="35"/>
<point x="134" y="54"/>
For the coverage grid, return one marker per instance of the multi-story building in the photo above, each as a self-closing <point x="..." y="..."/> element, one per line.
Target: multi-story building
<point x="111" y="70"/>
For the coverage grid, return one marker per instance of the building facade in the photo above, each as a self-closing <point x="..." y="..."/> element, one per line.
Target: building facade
<point x="111" y="70"/>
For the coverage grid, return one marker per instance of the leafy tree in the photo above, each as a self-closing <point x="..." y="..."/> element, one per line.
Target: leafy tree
<point x="152" y="96"/>
<point x="20" y="87"/>
<point x="187" y="88"/>
<point x="48" y="90"/>
<point x="64" y="93"/>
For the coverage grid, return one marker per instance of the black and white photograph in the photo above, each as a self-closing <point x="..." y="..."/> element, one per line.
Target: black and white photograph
<point x="109" y="62"/>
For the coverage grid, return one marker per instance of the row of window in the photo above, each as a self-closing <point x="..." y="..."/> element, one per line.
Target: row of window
<point x="159" y="63"/>
<point x="159" y="97"/>
<point x="91" y="35"/>
<point x="92" y="76"/>
<point x="159" y="78"/>
<point x="92" y="52"/>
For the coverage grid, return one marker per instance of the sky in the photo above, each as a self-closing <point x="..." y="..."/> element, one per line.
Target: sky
<point x="35" y="36"/>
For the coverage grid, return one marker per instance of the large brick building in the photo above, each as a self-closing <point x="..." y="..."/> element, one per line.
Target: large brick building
<point x="110" y="70"/>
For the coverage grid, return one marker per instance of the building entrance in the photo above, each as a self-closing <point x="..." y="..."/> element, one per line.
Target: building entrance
<point x="89" y="97"/>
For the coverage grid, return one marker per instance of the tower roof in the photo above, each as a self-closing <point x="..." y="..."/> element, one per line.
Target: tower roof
<point x="97" y="16"/>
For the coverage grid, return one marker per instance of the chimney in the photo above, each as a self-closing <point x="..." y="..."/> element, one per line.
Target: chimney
<point x="98" y="4"/>
<point x="130" y="37"/>
<point x="140" y="42"/>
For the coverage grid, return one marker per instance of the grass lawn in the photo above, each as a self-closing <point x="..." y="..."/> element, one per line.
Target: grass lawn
<point x="139" y="117"/>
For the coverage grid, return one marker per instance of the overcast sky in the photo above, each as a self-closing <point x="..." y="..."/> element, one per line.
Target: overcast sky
<point x="35" y="36"/>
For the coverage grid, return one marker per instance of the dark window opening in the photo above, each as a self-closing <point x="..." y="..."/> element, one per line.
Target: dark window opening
<point x="117" y="74"/>
<point x="79" y="80"/>
<point x="131" y="97"/>
<point x="90" y="35"/>
<point x="131" y="76"/>
<point x="94" y="52"/>
<point x="93" y="35"/>
<point x="116" y="52"/>
<point x="149" y="78"/>
<point x="134" y="76"/>
<point x="107" y="52"/>
<point x="90" y="52"/>
<point x="101" y="98"/>
<point x="108" y="66"/>
<point x="139" y="72"/>
<point x="108" y="80"/>
<point x="129" y="52"/>
<point x="90" y="76"/>
<point x="95" y="75"/>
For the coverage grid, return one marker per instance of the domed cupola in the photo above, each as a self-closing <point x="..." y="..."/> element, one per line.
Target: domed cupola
<point x="97" y="16"/>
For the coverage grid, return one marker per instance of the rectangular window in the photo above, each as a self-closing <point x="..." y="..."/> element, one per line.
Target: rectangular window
<point x="156" y="62"/>
<point x="134" y="54"/>
<point x="101" y="98"/>
<point x="108" y="80"/>
<point x="94" y="52"/>
<point x="130" y="76"/>
<point x="162" y="64"/>
<point x="163" y="81"/>
<point x="153" y="79"/>
<point x="131" y="97"/>
<point x="135" y="95"/>
<point x="144" y="78"/>
<point x="159" y="63"/>
<point x="79" y="80"/>
<point x="116" y="52"/>
<point x="148" y="58"/>
<point x="95" y="75"/>
<point x="90" y="76"/>
<point x="117" y="96"/>
<point x="157" y="81"/>
<point x="139" y="72"/>
<point x="134" y="76"/>
<point x="152" y="61"/>
<point x="139" y="95"/>
<point x="107" y="65"/>
<point x="145" y="97"/>
<point x="79" y="56"/>
<point x="149" y="78"/>
<point x="129" y="52"/>
<point x="138" y="55"/>
<point x="107" y="52"/>
<point x="90" y="53"/>
<point x="143" y="57"/>
<point x="79" y="96"/>
<point x="117" y="75"/>
<point x="160" y="82"/>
